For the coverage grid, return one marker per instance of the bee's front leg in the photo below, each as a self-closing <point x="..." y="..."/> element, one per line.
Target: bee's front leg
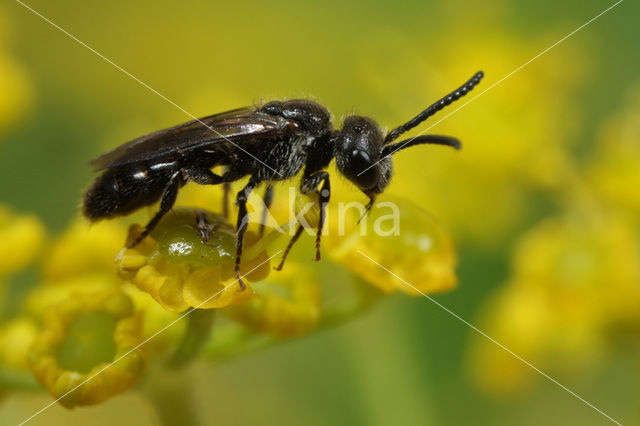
<point x="310" y="183"/>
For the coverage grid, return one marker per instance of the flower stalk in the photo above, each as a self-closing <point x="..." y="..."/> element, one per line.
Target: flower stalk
<point x="196" y="335"/>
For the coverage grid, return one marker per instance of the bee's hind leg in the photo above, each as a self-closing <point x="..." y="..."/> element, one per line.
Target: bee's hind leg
<point x="202" y="176"/>
<point x="166" y="203"/>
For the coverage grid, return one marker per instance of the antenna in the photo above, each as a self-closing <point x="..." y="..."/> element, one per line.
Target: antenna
<point x="418" y="140"/>
<point x="447" y="100"/>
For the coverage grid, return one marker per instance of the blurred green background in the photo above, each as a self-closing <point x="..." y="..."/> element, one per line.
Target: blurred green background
<point x="407" y="361"/>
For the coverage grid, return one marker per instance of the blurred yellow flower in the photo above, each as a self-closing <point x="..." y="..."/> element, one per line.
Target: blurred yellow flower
<point x="92" y="338"/>
<point x="53" y="292"/>
<point x="514" y="137"/>
<point x="80" y="260"/>
<point x="21" y="238"/>
<point x="179" y="270"/>
<point x="400" y="236"/>
<point x="287" y="303"/>
<point x="83" y="249"/>
<point x="575" y="280"/>
<point x="615" y="167"/>
<point x="15" y="85"/>
<point x="16" y="337"/>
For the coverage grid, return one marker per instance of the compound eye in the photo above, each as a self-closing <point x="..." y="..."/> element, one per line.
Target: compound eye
<point x="364" y="175"/>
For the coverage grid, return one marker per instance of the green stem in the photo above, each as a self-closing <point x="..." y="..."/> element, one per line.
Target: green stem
<point x="196" y="335"/>
<point x="171" y="393"/>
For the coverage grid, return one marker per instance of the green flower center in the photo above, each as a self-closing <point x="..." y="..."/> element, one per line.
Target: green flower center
<point x="179" y="242"/>
<point x="89" y="342"/>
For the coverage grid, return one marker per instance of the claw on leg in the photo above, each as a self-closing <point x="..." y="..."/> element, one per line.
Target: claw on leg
<point x="203" y="227"/>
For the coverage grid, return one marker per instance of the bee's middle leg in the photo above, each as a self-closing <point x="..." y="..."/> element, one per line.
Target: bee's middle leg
<point x="226" y="188"/>
<point x="267" y="200"/>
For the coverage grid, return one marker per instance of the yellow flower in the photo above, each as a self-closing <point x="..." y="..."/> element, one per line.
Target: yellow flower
<point x="16" y="337"/>
<point x="50" y="293"/>
<point x="85" y="353"/>
<point x="84" y="249"/>
<point x="575" y="282"/>
<point x="400" y="236"/>
<point x="288" y="303"/>
<point x="81" y="260"/>
<point x="21" y="238"/>
<point x="179" y="270"/>
<point x="15" y="86"/>
<point x="587" y="261"/>
<point x="156" y="318"/>
<point x="615" y="169"/>
<point x="78" y="260"/>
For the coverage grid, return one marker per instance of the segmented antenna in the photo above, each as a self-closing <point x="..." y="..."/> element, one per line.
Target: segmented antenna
<point x="447" y="100"/>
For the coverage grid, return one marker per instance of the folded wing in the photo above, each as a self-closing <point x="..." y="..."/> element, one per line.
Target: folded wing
<point x="235" y="129"/>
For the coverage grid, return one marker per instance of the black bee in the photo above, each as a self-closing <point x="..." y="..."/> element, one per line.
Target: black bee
<point x="271" y="142"/>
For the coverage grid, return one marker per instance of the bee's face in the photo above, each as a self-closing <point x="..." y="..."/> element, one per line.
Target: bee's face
<point x="357" y="153"/>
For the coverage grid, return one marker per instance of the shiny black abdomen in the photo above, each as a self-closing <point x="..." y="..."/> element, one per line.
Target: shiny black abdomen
<point x="124" y="189"/>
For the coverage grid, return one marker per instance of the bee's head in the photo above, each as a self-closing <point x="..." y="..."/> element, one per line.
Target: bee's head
<point x="358" y="150"/>
<point x="363" y="154"/>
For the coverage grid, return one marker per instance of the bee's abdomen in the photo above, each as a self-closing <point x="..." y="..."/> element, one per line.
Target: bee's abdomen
<point x="122" y="190"/>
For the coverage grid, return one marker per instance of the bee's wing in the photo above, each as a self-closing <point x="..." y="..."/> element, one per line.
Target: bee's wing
<point x="224" y="131"/>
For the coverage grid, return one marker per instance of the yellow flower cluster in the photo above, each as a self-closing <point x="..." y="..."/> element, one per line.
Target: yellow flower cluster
<point x="287" y="304"/>
<point x="575" y="282"/>
<point x="88" y="351"/>
<point x="83" y="319"/>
